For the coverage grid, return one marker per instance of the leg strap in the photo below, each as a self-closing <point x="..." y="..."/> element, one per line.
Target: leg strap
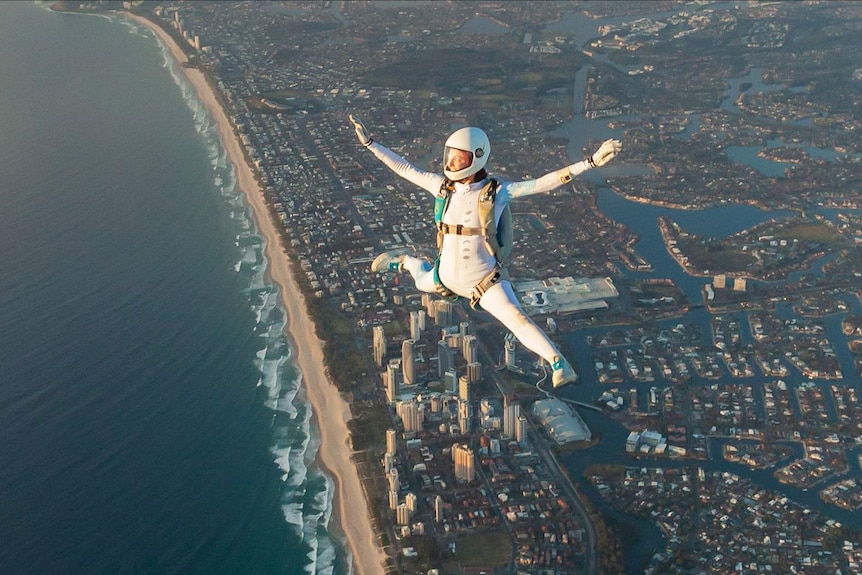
<point x="438" y="285"/>
<point x="489" y="280"/>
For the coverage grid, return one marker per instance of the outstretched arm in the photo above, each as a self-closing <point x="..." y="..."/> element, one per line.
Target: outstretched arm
<point x="426" y="180"/>
<point x="553" y="180"/>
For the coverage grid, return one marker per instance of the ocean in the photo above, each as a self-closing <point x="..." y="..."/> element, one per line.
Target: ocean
<point x="151" y="420"/>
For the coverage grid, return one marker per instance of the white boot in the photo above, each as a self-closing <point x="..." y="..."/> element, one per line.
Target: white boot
<point x="389" y="261"/>
<point x="563" y="372"/>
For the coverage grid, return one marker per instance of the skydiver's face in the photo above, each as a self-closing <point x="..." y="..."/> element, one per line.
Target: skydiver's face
<point x="458" y="159"/>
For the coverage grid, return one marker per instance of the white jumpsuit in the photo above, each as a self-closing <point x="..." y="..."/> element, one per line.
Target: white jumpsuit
<point x="466" y="260"/>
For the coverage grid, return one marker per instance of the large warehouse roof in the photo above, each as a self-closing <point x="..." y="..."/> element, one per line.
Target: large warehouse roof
<point x="562" y="295"/>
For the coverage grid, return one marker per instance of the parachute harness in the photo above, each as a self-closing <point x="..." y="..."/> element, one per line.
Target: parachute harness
<point x="489" y="231"/>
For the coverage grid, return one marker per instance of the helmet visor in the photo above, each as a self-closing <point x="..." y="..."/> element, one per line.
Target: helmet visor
<point x="455" y="160"/>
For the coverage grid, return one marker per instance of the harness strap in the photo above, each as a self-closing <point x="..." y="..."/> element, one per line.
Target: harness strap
<point x="460" y="230"/>
<point x="496" y="275"/>
<point x="487" y="196"/>
<point x="438" y="285"/>
<point x="486" y="202"/>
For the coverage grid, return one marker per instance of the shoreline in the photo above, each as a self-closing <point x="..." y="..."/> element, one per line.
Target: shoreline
<point x="330" y="411"/>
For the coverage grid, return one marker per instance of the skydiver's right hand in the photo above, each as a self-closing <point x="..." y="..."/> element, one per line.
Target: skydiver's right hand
<point x="606" y="152"/>
<point x="361" y="131"/>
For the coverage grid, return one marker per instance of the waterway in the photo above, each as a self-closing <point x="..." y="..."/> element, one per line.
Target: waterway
<point x="718" y="222"/>
<point x="715" y="222"/>
<point x="580" y="131"/>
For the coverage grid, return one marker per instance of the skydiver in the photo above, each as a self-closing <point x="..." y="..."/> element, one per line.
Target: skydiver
<point x="469" y="263"/>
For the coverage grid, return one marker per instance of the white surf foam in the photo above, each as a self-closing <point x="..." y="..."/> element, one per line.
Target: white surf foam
<point x="294" y="442"/>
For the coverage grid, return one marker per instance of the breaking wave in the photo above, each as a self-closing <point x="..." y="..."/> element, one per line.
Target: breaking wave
<point x="306" y="494"/>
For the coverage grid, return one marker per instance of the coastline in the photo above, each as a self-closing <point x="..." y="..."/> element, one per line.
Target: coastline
<point x="330" y="411"/>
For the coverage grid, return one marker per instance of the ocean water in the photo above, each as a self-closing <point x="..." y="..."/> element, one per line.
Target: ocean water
<point x="151" y="420"/>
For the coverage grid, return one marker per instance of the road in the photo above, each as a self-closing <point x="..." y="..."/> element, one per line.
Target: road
<point x="539" y="442"/>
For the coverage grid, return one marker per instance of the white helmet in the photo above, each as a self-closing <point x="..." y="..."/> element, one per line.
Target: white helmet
<point x="471" y="140"/>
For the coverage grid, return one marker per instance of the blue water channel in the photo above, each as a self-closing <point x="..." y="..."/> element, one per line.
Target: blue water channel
<point x="718" y="222"/>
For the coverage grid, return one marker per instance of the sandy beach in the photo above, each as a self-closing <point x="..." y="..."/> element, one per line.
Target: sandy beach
<point x="331" y="412"/>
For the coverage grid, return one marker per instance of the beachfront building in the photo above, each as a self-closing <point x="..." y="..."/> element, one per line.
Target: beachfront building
<point x="393" y="480"/>
<point x="412" y="502"/>
<point x="391" y="439"/>
<point x="412" y="415"/>
<point x="402" y="514"/>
